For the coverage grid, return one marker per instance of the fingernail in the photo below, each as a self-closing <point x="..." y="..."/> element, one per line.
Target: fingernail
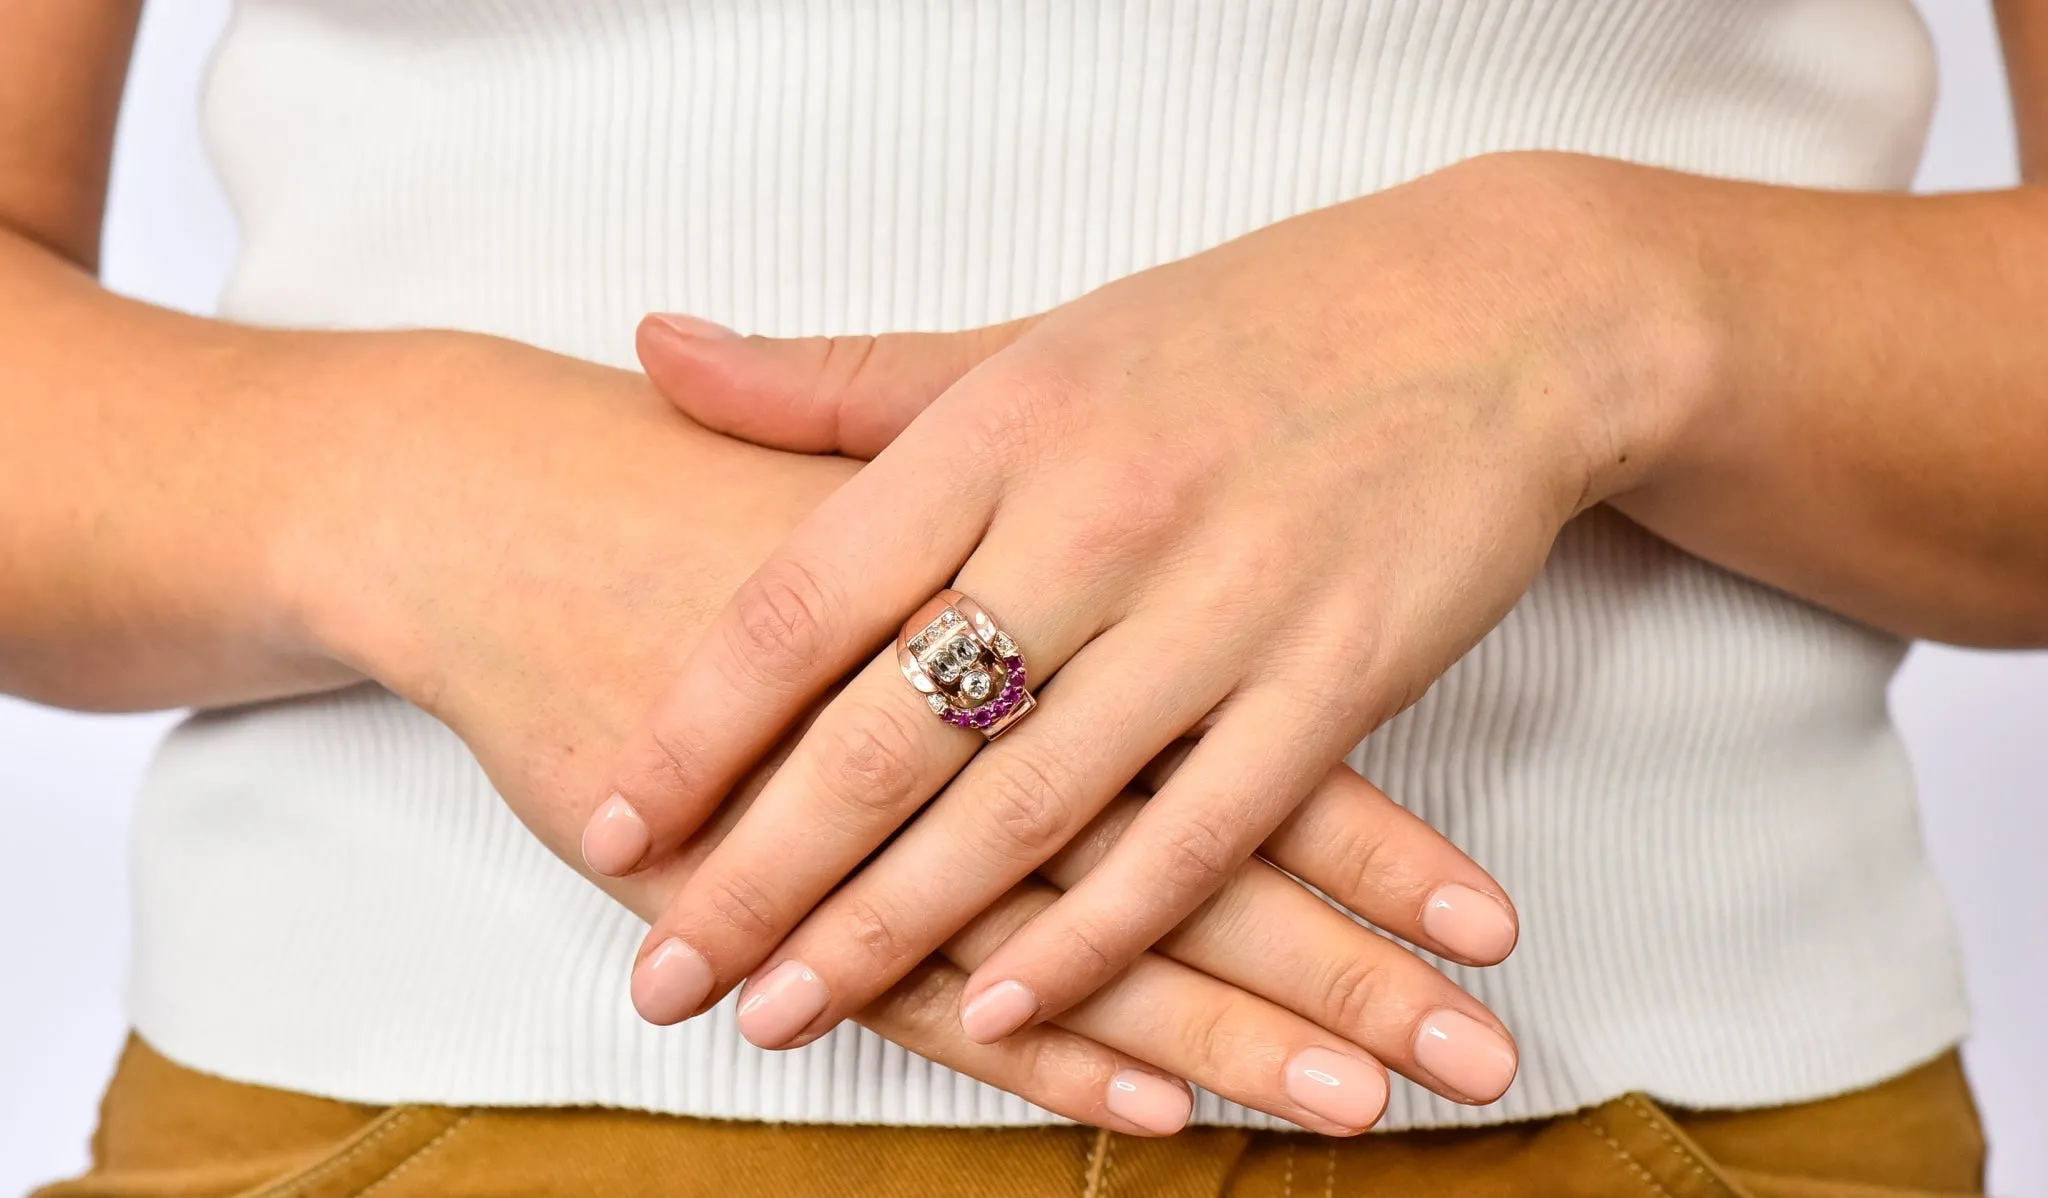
<point x="615" y="839"/>
<point x="695" y="326"/>
<point x="1471" y="923"/>
<point x="1153" y="1103"/>
<point x="672" y="982"/>
<point x="1343" y="1089"/>
<point x="997" y="1011"/>
<point x="1466" y="1055"/>
<point x="782" y="1004"/>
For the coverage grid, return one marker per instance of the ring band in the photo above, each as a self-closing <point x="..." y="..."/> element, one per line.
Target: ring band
<point x="970" y="672"/>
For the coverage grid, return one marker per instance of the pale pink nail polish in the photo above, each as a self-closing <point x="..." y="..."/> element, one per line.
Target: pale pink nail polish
<point x="1153" y="1103"/>
<point x="615" y="839"/>
<point x="671" y="983"/>
<point x="1469" y="922"/>
<point x="997" y="1011"/>
<point x="695" y="326"/>
<point x="782" y="1004"/>
<point x="1466" y="1055"/>
<point x="1346" y="1090"/>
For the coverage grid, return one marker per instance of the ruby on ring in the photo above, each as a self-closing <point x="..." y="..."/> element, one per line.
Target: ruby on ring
<point x="970" y="671"/>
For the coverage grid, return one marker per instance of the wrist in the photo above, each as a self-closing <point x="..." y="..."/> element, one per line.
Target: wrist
<point x="1635" y="333"/>
<point x="348" y="516"/>
<point x="449" y="474"/>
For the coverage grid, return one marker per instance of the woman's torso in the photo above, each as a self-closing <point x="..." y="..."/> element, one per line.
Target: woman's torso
<point x="1687" y="781"/>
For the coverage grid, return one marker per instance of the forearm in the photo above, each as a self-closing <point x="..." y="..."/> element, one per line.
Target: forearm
<point x="141" y="469"/>
<point x="203" y="513"/>
<point x="1861" y="416"/>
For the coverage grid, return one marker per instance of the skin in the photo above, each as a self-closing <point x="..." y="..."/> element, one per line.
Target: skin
<point x="527" y="546"/>
<point x="1235" y="477"/>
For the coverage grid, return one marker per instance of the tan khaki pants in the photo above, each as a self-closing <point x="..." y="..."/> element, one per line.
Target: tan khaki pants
<point x="168" y="1132"/>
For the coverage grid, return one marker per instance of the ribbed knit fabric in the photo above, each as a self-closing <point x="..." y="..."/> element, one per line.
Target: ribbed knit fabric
<point x="1687" y="781"/>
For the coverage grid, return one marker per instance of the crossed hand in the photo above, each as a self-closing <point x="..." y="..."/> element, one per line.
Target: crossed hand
<point x="1234" y="512"/>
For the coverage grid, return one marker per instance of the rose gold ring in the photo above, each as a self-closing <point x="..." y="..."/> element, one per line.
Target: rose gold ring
<point x="969" y="671"/>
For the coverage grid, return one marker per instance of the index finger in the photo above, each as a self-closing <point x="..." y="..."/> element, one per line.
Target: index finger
<point x="827" y="600"/>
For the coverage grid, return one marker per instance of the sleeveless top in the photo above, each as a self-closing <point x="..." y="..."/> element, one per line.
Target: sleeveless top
<point x="1687" y="781"/>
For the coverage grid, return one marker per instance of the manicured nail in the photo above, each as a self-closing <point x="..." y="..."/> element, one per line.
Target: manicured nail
<point x="1153" y="1103"/>
<point x="782" y="1004"/>
<point x="671" y="983"/>
<point x="695" y="326"/>
<point x="1466" y="1055"/>
<point x="1343" y="1089"/>
<point x="615" y="839"/>
<point x="997" y="1011"/>
<point x="1469" y="922"/>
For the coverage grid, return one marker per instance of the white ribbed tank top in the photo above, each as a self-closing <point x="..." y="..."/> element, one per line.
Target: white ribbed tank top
<point x="1687" y="781"/>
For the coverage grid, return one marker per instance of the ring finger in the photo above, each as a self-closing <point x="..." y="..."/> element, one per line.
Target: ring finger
<point x="1013" y="807"/>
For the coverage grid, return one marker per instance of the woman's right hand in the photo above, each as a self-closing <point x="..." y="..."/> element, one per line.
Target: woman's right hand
<point x="525" y="545"/>
<point x="522" y="544"/>
<point x="1265" y="995"/>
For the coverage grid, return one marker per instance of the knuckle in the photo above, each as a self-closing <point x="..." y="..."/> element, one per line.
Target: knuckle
<point x="1213" y="1045"/>
<point x="1356" y="644"/>
<point x="1099" y="541"/>
<point x="873" y="762"/>
<point x="1037" y="1059"/>
<point x="1359" y="644"/>
<point x="1203" y="1037"/>
<point x="1236" y="573"/>
<point x="846" y="360"/>
<point x="1035" y="415"/>
<point x="871" y="929"/>
<point x="1196" y="857"/>
<point x="1113" y="520"/>
<point x="1026" y="810"/>
<point x="1161" y="496"/>
<point x="780" y="618"/>
<point x="1349" y="992"/>
<point x="1359" y="871"/>
<point x="1060" y="1072"/>
<point x="1091" y="952"/>
<point x="676" y="766"/>
<point x="745" y="906"/>
<point x="924" y="1006"/>
<point x="1225" y="1046"/>
<point x="1234" y="914"/>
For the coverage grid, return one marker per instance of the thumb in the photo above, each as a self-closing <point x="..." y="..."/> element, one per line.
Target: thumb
<point x="848" y="395"/>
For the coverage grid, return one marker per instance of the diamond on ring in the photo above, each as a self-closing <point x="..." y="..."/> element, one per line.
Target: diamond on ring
<point x="970" y="671"/>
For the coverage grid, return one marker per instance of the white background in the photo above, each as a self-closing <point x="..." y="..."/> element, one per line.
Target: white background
<point x="1977" y="723"/>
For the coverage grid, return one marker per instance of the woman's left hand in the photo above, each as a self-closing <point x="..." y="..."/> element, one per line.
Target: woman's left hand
<point x="1262" y="496"/>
